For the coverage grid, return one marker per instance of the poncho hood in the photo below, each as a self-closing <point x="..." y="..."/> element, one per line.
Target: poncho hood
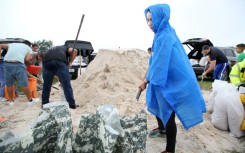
<point x="160" y="15"/>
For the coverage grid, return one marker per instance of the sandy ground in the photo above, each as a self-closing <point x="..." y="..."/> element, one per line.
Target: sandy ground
<point x="113" y="78"/>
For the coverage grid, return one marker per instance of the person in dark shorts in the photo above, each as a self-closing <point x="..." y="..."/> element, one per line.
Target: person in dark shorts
<point x="15" y="69"/>
<point x="55" y="63"/>
<point x="218" y="62"/>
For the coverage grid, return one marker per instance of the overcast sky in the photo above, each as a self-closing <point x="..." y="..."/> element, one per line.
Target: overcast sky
<point x="120" y="23"/>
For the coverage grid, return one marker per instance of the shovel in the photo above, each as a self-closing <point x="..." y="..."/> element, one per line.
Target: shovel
<point x="138" y="94"/>
<point x="202" y="81"/>
<point x="201" y="84"/>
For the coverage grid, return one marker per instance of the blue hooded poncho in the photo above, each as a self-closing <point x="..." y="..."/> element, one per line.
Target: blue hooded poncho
<point x="172" y="83"/>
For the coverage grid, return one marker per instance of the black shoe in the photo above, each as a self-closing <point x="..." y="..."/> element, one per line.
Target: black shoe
<point x="42" y="105"/>
<point x="73" y="106"/>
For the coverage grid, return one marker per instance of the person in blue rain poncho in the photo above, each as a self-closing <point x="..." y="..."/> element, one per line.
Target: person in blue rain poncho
<point x="172" y="87"/>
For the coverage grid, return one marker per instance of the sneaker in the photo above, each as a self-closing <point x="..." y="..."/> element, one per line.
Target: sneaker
<point x="12" y="103"/>
<point x="33" y="100"/>
<point x="3" y="99"/>
<point x="156" y="133"/>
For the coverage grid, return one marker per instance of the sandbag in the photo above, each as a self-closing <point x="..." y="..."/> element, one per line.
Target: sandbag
<point x="228" y="112"/>
<point x="235" y="113"/>
<point x="217" y="86"/>
<point x="211" y="101"/>
<point x="52" y="129"/>
<point x="219" y="116"/>
<point x="23" y="143"/>
<point x="106" y="132"/>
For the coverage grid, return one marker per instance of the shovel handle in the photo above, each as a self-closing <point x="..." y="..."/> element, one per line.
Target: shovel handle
<point x="138" y="94"/>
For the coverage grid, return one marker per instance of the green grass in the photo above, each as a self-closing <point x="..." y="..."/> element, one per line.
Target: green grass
<point x="206" y="84"/>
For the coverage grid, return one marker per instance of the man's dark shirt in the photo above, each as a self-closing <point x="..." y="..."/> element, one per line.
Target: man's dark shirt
<point x="216" y="54"/>
<point x="57" y="53"/>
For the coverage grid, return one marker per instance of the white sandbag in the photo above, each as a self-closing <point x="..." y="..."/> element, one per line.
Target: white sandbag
<point x="193" y="61"/>
<point x="235" y="113"/>
<point x="211" y="101"/>
<point x="228" y="111"/>
<point x="203" y="61"/>
<point x="219" y="117"/>
<point x="217" y="86"/>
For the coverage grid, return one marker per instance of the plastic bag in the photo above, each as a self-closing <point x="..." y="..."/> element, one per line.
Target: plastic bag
<point x="110" y="115"/>
<point x="218" y="86"/>
<point x="219" y="116"/>
<point x="228" y="112"/>
<point x="235" y="113"/>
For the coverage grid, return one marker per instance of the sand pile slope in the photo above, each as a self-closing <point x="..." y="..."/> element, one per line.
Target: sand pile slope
<point x="112" y="78"/>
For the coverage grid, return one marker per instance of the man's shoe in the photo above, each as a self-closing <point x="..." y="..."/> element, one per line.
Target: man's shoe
<point x="3" y="99"/>
<point x="12" y="103"/>
<point x="73" y="106"/>
<point x="167" y="152"/>
<point x="33" y="100"/>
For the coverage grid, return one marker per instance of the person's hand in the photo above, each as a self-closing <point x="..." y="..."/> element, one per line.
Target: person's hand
<point x="70" y="64"/>
<point x="39" y="78"/>
<point x="143" y="84"/>
<point x="56" y="78"/>
<point x="204" y="74"/>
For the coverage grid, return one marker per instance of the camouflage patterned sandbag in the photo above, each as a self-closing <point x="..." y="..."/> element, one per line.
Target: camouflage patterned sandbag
<point x="133" y="137"/>
<point x="103" y="133"/>
<point x="21" y="144"/>
<point x="95" y="134"/>
<point x="8" y="142"/>
<point x="52" y="128"/>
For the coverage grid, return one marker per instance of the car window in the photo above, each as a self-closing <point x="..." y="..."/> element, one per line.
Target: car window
<point x="229" y="52"/>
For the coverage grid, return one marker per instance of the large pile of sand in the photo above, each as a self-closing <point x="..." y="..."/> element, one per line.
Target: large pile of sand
<point x="113" y="78"/>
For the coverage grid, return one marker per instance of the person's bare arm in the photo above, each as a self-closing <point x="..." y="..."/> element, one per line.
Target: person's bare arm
<point x="211" y="67"/>
<point x="144" y="82"/>
<point x="73" y="55"/>
<point x="3" y="46"/>
<point x="28" y="57"/>
<point x="29" y="75"/>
